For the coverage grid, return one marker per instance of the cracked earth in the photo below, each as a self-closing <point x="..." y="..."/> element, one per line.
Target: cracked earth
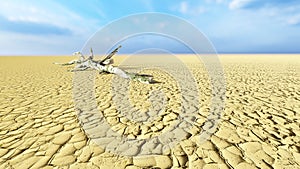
<point x="259" y="128"/>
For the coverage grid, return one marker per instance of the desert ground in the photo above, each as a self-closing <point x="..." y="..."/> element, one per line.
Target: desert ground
<point x="40" y="126"/>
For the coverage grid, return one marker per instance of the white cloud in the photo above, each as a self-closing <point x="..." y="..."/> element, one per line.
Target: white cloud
<point x="285" y="15"/>
<point x="294" y="20"/>
<point x="26" y="44"/>
<point x="216" y="1"/>
<point x="187" y="9"/>
<point x="237" y="4"/>
<point x="183" y="7"/>
<point x="293" y="15"/>
<point x="148" y="5"/>
<point x="46" y="12"/>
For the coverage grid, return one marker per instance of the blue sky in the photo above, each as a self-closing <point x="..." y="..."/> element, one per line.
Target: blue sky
<point x="61" y="27"/>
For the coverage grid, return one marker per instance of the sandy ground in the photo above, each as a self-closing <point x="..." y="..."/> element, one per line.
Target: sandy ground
<point x="259" y="128"/>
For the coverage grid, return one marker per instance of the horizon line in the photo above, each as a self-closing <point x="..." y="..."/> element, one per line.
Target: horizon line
<point x="263" y="53"/>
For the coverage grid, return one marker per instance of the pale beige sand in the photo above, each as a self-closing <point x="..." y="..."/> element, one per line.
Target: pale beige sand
<point x="260" y="127"/>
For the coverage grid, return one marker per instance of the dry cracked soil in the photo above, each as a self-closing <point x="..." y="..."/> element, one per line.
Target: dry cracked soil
<point x="41" y="127"/>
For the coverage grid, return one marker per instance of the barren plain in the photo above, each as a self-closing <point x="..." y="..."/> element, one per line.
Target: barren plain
<point x="259" y="127"/>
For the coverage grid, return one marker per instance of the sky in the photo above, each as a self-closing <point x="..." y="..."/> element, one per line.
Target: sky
<point x="61" y="27"/>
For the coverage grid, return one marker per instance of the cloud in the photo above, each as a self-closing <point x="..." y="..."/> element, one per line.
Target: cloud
<point x="294" y="20"/>
<point x="257" y="4"/>
<point x="12" y="43"/>
<point x="186" y="9"/>
<point x="44" y="27"/>
<point x="30" y="26"/>
<point x="286" y="14"/>
<point x="283" y="12"/>
<point x="237" y="4"/>
<point x="62" y="27"/>
<point x="148" y="5"/>
<point x="43" y="17"/>
<point x="216" y="1"/>
<point x="183" y="7"/>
